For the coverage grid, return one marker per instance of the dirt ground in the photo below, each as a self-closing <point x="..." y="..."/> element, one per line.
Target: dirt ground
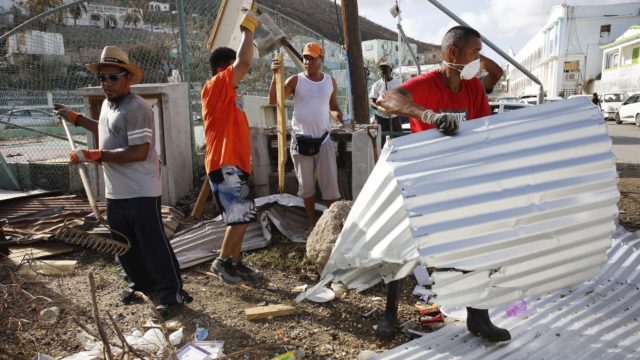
<point x="339" y="329"/>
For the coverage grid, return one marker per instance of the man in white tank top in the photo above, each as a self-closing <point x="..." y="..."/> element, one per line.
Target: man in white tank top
<point x="314" y="97"/>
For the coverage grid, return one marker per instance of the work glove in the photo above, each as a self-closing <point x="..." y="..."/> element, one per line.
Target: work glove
<point x="250" y="21"/>
<point x="66" y="113"/>
<point x="80" y="155"/>
<point x="446" y="123"/>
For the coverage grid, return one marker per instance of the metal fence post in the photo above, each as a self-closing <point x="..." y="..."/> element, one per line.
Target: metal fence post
<point x="185" y="58"/>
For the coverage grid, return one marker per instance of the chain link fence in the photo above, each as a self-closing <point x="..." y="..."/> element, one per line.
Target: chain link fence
<point x="43" y="64"/>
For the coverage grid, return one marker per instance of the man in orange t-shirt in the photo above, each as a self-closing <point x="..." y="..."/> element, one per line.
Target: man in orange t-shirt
<point x="228" y="153"/>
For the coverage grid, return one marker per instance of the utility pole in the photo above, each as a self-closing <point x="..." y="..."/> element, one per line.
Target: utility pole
<point x="353" y="44"/>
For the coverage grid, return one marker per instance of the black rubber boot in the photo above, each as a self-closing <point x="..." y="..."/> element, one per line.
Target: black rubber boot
<point x="479" y="324"/>
<point x="388" y="326"/>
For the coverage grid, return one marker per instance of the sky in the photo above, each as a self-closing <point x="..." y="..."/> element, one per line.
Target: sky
<point x="506" y="23"/>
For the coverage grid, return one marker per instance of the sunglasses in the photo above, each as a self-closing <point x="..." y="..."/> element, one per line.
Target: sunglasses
<point x="112" y="77"/>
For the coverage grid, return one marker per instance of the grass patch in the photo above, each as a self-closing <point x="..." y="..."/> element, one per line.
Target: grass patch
<point x="282" y="255"/>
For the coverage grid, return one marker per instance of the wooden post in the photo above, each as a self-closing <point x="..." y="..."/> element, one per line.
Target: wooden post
<point x="202" y="199"/>
<point x="353" y="44"/>
<point x="281" y="123"/>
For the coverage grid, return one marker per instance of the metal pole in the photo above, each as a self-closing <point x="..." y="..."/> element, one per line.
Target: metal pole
<point x="511" y="60"/>
<point x="46" y="13"/>
<point x="413" y="54"/>
<point x="399" y="45"/>
<point x="185" y="57"/>
<point x="353" y="45"/>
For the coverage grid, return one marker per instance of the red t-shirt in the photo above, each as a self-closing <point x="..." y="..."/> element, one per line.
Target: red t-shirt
<point x="430" y="91"/>
<point x="226" y="128"/>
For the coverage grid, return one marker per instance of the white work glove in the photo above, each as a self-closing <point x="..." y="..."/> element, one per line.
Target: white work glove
<point x="66" y="113"/>
<point x="446" y="123"/>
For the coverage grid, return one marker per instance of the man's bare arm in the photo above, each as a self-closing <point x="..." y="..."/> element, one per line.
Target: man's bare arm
<point x="399" y="101"/>
<point x="494" y="73"/>
<point x="131" y="153"/>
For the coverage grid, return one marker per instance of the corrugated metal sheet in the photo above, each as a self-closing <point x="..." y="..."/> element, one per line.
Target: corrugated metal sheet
<point x="515" y="205"/>
<point x="598" y="319"/>
<point x="203" y="241"/>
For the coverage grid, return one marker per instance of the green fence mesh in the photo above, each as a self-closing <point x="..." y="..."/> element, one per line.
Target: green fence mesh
<point x="43" y="64"/>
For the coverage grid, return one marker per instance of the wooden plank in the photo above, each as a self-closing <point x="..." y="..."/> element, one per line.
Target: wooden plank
<point x="196" y="213"/>
<point x="49" y="267"/>
<point x="281" y="124"/>
<point x="270" y="311"/>
<point x="36" y="251"/>
<point x="226" y="28"/>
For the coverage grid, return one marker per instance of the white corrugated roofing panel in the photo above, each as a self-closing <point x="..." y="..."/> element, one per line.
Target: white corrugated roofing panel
<point x="598" y="319"/>
<point x="514" y="205"/>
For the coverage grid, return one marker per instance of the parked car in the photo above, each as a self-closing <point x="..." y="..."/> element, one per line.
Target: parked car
<point x="500" y="107"/>
<point x="28" y="118"/>
<point x="611" y="103"/>
<point x="629" y="111"/>
<point x="511" y="99"/>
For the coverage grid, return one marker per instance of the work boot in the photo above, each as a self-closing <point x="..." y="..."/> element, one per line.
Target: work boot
<point x="225" y="269"/>
<point x="165" y="310"/>
<point x="129" y="296"/>
<point x="479" y="324"/>
<point x="245" y="272"/>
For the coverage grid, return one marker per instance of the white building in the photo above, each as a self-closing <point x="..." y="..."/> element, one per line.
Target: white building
<point x="621" y="63"/>
<point x="378" y="51"/>
<point x="34" y="42"/>
<point x="158" y="6"/>
<point x="565" y="54"/>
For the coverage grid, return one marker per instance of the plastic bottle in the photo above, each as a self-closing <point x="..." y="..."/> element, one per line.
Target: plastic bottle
<point x="516" y="308"/>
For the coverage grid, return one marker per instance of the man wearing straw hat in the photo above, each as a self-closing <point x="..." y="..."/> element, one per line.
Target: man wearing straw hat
<point x="131" y="167"/>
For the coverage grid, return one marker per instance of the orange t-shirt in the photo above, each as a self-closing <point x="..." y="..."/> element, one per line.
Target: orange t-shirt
<point x="226" y="129"/>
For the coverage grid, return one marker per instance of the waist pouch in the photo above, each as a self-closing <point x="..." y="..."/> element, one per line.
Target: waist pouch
<point x="307" y="145"/>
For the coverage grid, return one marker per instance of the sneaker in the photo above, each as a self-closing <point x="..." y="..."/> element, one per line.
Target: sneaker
<point x="245" y="272"/>
<point x="129" y="296"/>
<point x="225" y="269"/>
<point x="186" y="298"/>
<point x="163" y="311"/>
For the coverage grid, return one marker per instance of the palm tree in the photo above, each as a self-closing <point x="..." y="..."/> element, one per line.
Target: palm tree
<point x="132" y="16"/>
<point x="110" y="21"/>
<point x="76" y="12"/>
<point x="37" y="7"/>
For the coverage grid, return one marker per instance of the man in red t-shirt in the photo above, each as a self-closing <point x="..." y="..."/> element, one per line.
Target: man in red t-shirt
<point x="441" y="99"/>
<point x="228" y="153"/>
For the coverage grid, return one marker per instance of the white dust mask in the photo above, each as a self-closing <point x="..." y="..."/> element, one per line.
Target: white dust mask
<point x="469" y="71"/>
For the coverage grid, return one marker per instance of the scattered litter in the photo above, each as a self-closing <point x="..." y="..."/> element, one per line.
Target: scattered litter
<point x="376" y="298"/>
<point x="422" y="291"/>
<point x="371" y="312"/>
<point x="454" y="312"/>
<point x="192" y="352"/>
<point x="262" y="303"/>
<point x="367" y="355"/>
<point x="428" y="319"/>
<point x="300" y="288"/>
<point x="176" y="336"/>
<point x="213" y="347"/>
<point x="422" y="275"/>
<point x="516" y="308"/>
<point x="339" y="288"/>
<point x="50" y="314"/>
<point x="270" y="311"/>
<point x="41" y="356"/>
<point x="322" y="295"/>
<point x="290" y="355"/>
<point x="201" y="333"/>
<point x="427" y="309"/>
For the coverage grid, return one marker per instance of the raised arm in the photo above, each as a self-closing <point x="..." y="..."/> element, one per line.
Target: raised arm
<point x="68" y="114"/>
<point x="245" y="52"/>
<point x="494" y="73"/>
<point x="289" y="85"/>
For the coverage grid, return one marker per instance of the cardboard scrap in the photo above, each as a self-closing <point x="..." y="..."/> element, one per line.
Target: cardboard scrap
<point x="270" y="311"/>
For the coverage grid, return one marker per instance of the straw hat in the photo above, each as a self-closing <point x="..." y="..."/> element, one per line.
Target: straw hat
<point x="112" y="55"/>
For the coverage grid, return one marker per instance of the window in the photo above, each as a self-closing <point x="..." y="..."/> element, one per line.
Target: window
<point x="605" y="30"/>
<point x="634" y="55"/>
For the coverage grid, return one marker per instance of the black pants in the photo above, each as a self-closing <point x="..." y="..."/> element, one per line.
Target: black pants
<point x="393" y="124"/>
<point x="151" y="263"/>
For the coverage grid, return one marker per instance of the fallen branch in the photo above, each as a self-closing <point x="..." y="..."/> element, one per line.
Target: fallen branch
<point x="96" y="315"/>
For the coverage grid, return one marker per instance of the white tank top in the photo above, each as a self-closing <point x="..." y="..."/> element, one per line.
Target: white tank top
<point x="311" y="106"/>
